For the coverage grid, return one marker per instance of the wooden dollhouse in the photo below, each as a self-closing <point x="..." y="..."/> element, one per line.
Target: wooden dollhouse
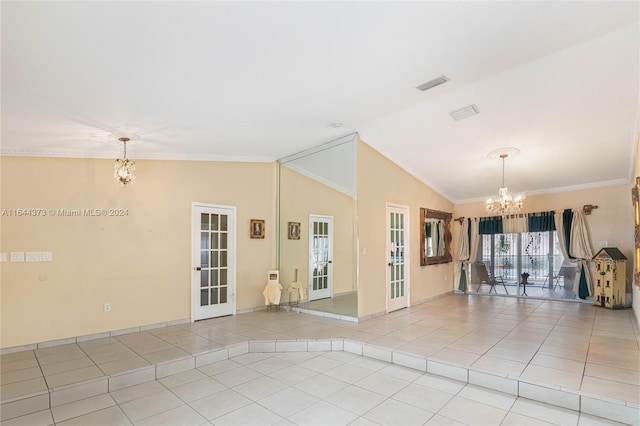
<point x="610" y="278"/>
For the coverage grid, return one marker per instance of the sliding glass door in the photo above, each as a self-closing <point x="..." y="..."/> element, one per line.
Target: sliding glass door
<point x="507" y="257"/>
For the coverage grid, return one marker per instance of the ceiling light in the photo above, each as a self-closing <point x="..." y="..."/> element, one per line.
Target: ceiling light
<point x="124" y="170"/>
<point x="335" y="125"/>
<point x="433" y="83"/>
<point x="466" y="112"/>
<point x="504" y="203"/>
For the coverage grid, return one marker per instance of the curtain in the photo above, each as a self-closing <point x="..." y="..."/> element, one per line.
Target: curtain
<point x="490" y="225"/>
<point x="580" y="248"/>
<point x="440" y="238"/>
<point x="541" y="222"/>
<point x="474" y="239"/>
<point x="563" y="222"/>
<point x="462" y="255"/>
<point x="514" y="223"/>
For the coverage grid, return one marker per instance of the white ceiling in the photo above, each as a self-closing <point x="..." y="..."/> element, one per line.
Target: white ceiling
<point x="258" y="81"/>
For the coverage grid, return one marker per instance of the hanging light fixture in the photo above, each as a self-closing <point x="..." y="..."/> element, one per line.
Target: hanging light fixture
<point x="124" y="170"/>
<point x="504" y="203"/>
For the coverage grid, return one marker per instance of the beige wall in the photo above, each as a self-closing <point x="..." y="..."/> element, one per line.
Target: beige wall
<point x="140" y="263"/>
<point x="612" y="221"/>
<point x="379" y="182"/>
<point x="301" y="196"/>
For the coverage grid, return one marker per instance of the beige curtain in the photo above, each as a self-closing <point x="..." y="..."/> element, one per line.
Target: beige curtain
<point x="441" y="238"/>
<point x="560" y="231"/>
<point x="580" y="248"/>
<point x="462" y="254"/>
<point x="473" y="247"/>
<point x="515" y="223"/>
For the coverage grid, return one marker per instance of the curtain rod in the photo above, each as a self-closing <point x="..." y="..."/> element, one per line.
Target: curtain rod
<point x="586" y="209"/>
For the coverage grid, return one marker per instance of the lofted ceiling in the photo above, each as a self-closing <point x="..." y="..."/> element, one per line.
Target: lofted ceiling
<point x="257" y="81"/>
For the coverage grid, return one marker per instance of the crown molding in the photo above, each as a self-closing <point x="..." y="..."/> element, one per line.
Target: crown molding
<point x="15" y="152"/>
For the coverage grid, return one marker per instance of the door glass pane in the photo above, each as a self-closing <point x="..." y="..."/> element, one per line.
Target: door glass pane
<point x="214" y="222"/>
<point x="214" y="296"/>
<point x="204" y="297"/>
<point x="223" y="259"/>
<point x="214" y="259"/>
<point x="204" y="221"/>
<point x="223" y="240"/>
<point x="223" y="294"/>
<point x="223" y="277"/>
<point x="214" y="240"/>
<point x="223" y="222"/>
<point x="204" y="240"/>
<point x="204" y="278"/>
<point x="204" y="259"/>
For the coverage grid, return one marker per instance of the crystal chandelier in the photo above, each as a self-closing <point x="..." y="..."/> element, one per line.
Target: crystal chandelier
<point x="124" y="170"/>
<point x="504" y="203"/>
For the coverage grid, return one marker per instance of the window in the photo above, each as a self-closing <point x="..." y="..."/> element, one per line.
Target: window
<point x="508" y="256"/>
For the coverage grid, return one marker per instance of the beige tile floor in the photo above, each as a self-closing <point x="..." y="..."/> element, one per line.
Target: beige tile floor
<point x="305" y="388"/>
<point x="570" y="345"/>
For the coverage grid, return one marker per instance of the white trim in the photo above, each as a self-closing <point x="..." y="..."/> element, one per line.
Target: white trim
<point x="21" y="152"/>
<point x="231" y="259"/>
<point x="320" y="179"/>
<point x="322" y="147"/>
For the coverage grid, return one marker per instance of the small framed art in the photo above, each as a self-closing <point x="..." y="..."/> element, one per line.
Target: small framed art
<point x="294" y="230"/>
<point x="256" y="229"/>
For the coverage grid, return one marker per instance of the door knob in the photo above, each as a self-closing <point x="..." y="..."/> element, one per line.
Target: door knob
<point x="198" y="268"/>
<point x="331" y="261"/>
<point x="390" y="263"/>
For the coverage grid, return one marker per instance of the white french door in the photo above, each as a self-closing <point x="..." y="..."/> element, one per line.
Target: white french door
<point x="397" y="257"/>
<point x="320" y="257"/>
<point x="213" y="284"/>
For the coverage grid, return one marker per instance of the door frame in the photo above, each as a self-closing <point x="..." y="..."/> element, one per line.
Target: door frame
<point x="309" y="270"/>
<point x="407" y="254"/>
<point x="195" y="255"/>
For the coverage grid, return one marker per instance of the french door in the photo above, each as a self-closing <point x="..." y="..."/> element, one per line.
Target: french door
<point x="320" y="257"/>
<point x="397" y="257"/>
<point x="213" y="284"/>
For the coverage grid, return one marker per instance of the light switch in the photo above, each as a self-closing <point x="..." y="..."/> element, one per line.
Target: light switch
<point x="17" y="256"/>
<point x="45" y="256"/>
<point x="33" y="256"/>
<point x="3" y="257"/>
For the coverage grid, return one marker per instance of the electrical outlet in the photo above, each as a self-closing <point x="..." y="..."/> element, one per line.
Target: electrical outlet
<point x="107" y="307"/>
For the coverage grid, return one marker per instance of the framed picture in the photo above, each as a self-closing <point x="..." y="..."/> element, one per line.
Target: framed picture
<point x="256" y="229"/>
<point x="294" y="230"/>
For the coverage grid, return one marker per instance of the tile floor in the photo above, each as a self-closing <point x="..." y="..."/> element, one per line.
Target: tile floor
<point x="305" y="388"/>
<point x="563" y="345"/>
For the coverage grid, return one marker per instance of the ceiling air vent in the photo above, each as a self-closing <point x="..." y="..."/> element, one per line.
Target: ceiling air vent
<point x="433" y="83"/>
<point x="465" y="112"/>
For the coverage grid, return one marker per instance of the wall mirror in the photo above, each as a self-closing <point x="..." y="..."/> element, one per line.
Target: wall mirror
<point x="317" y="197"/>
<point x="435" y="237"/>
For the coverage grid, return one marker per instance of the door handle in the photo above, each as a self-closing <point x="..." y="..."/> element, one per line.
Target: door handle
<point x="198" y="268"/>
<point x="391" y="264"/>
<point x="330" y="261"/>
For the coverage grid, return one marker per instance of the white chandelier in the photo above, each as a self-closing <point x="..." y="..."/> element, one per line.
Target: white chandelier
<point x="504" y="203"/>
<point x="124" y="170"/>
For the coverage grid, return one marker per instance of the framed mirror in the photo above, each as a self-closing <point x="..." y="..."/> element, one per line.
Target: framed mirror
<point x="317" y="244"/>
<point x="435" y="237"/>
